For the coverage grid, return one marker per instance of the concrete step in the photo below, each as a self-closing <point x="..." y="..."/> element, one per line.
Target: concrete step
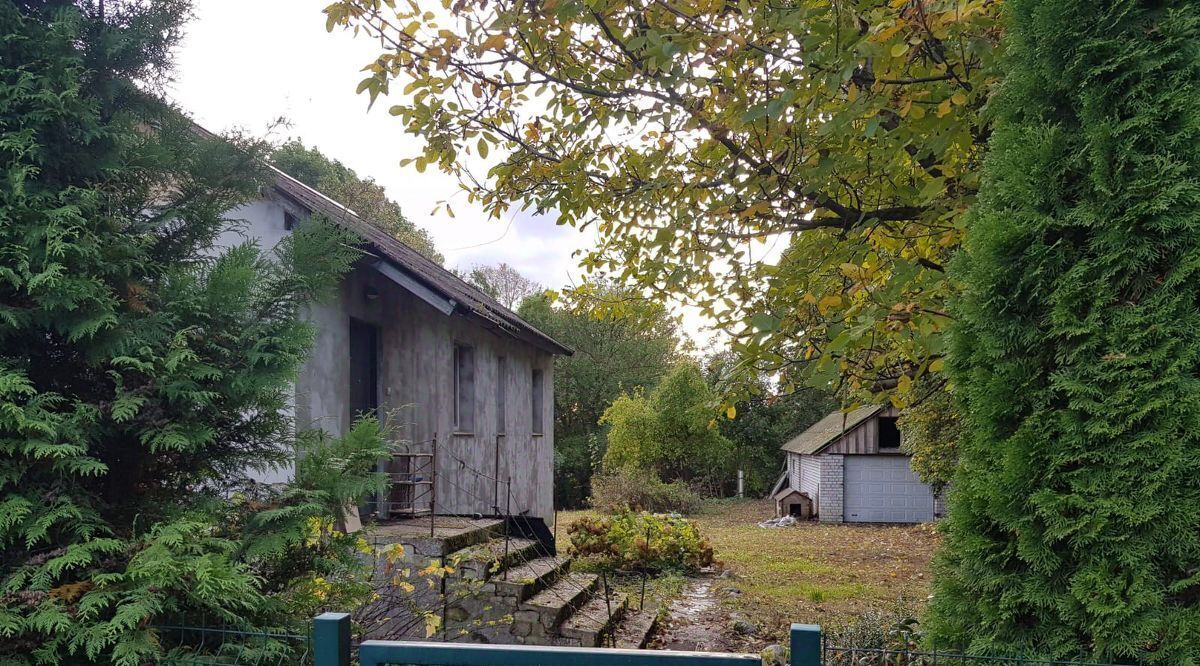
<point x="636" y="628"/>
<point x="526" y="579"/>
<point x="483" y="560"/>
<point x="592" y="624"/>
<point x="555" y="603"/>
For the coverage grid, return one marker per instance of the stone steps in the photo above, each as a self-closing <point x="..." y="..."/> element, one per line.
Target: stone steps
<point x="635" y="629"/>
<point x="556" y="603"/>
<point x="510" y="591"/>
<point x="592" y="624"/>
<point x="522" y="581"/>
<point x="484" y="560"/>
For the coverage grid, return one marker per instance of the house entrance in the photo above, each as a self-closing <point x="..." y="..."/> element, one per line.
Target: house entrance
<point x="364" y="369"/>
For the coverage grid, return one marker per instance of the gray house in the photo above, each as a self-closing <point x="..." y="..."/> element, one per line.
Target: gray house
<point x="464" y="383"/>
<point x="849" y="466"/>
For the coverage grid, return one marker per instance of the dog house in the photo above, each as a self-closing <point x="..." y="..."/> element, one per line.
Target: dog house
<point x="792" y="502"/>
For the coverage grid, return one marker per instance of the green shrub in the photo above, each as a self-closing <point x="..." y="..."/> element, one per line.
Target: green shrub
<point x="641" y="490"/>
<point x="892" y="628"/>
<point x="633" y="541"/>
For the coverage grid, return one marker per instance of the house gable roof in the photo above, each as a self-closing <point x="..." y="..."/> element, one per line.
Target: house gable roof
<point x="824" y="432"/>
<point x="464" y="296"/>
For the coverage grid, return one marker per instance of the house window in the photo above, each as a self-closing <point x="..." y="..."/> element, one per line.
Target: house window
<point x="889" y="433"/>
<point x="537" y="426"/>
<point x="464" y="388"/>
<point x="289" y="221"/>
<point x="501" y="393"/>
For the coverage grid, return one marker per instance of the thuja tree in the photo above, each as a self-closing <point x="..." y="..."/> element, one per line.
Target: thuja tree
<point x="142" y="374"/>
<point x="1073" y="526"/>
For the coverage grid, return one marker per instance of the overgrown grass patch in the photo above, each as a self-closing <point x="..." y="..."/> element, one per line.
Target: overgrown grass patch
<point x="816" y="573"/>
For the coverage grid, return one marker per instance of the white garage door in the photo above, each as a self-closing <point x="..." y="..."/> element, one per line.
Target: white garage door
<point x="884" y="489"/>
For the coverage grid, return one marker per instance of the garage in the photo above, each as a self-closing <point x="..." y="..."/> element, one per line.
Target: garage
<point x="884" y="489"/>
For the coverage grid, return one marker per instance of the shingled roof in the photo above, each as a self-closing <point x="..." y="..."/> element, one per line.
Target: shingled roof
<point x="827" y="430"/>
<point x="467" y="299"/>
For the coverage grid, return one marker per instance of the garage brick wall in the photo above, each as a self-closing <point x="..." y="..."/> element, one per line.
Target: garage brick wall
<point x="832" y="477"/>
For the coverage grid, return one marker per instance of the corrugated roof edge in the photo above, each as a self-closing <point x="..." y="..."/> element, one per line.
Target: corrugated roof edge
<point x="821" y="434"/>
<point x="416" y="264"/>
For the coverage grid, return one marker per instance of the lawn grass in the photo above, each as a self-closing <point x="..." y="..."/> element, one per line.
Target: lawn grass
<point x="813" y="573"/>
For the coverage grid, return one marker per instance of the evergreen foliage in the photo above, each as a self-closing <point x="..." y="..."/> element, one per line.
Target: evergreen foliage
<point x="362" y="195"/>
<point x="1073" y="522"/>
<point x="142" y="376"/>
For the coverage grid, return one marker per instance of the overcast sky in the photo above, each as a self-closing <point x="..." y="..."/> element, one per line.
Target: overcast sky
<point x="245" y="63"/>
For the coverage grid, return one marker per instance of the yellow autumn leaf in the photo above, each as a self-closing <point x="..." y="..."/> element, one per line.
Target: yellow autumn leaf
<point x="731" y="413"/>
<point x="433" y="622"/>
<point x="958" y="98"/>
<point x="827" y="302"/>
<point x="936" y="365"/>
<point x="494" y="42"/>
<point x="943" y="108"/>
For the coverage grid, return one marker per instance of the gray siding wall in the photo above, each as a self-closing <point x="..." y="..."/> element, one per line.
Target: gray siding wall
<point x="810" y="479"/>
<point x="416" y="387"/>
<point x="793" y="469"/>
<point x="832" y="478"/>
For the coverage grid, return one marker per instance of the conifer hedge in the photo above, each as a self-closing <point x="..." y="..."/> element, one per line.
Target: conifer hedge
<point x="143" y="372"/>
<point x="1075" y="518"/>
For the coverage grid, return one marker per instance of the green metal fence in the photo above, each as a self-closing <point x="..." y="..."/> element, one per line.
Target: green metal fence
<point x="330" y="644"/>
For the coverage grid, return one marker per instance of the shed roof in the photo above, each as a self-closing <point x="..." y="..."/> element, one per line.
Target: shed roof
<point x="827" y="430"/>
<point x="467" y="297"/>
<point x="787" y="492"/>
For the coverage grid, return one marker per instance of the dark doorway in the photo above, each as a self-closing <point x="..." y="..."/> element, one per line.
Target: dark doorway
<point x="364" y="369"/>
<point x="889" y="433"/>
<point x="364" y="385"/>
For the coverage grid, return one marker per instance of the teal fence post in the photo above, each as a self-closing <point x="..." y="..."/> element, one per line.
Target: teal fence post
<point x="331" y="639"/>
<point x="806" y="645"/>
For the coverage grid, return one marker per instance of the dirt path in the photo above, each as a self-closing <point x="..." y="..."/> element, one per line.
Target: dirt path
<point x="696" y="621"/>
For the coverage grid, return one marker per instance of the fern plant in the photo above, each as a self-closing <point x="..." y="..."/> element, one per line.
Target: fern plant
<point x="142" y="376"/>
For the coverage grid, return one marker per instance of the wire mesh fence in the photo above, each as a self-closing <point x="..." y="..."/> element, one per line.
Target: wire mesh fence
<point x="833" y="655"/>
<point x="184" y="645"/>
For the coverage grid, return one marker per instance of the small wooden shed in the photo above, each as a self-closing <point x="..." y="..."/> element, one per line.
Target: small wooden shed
<point x="853" y="468"/>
